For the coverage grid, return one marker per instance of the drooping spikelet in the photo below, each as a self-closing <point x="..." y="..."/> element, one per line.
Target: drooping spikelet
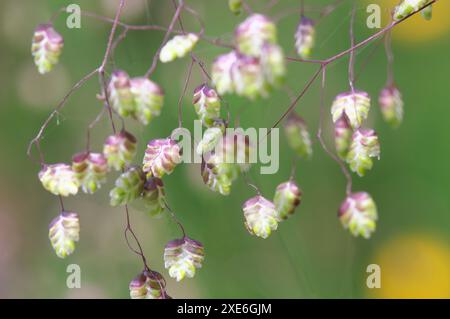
<point x="342" y="136"/>
<point x="218" y="176"/>
<point x="287" y="197"/>
<point x="427" y="13"/>
<point x="255" y="31"/>
<point x="221" y="72"/>
<point x="161" y="157"/>
<point x="235" y="6"/>
<point x="298" y="136"/>
<point x="119" y="91"/>
<point x="406" y="7"/>
<point x="261" y="217"/>
<point x="153" y="196"/>
<point x="237" y="149"/>
<point x="64" y="231"/>
<point x="358" y="213"/>
<point x="355" y="105"/>
<point x="273" y="64"/>
<point x="148" y="285"/>
<point x="59" y="179"/>
<point x="128" y="186"/>
<point x="364" y="146"/>
<point x="182" y="257"/>
<point x="178" y="47"/>
<point x="391" y="104"/>
<point x="305" y="37"/>
<point x="249" y="79"/>
<point x="148" y="99"/>
<point x="46" y="47"/>
<point x="211" y="138"/>
<point x="207" y="104"/>
<point x="119" y="150"/>
<point x="90" y="169"/>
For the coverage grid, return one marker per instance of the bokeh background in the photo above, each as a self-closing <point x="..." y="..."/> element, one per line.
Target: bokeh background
<point x="310" y="255"/>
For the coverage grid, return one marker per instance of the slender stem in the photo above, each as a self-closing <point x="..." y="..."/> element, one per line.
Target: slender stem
<point x="341" y="164"/>
<point x="252" y="185"/>
<point x="180" y="99"/>
<point x="374" y="36"/>
<point x="174" y="218"/>
<point x="351" y="64"/>
<point x="129" y="229"/>
<point x="38" y="137"/>
<point x="294" y="103"/>
<point x="166" y="37"/>
<point x="61" y="203"/>
<point x="111" y="36"/>
<point x="390" y="58"/>
<point x="293" y="167"/>
<point x="367" y="60"/>
<point x="247" y="7"/>
<point x="91" y="126"/>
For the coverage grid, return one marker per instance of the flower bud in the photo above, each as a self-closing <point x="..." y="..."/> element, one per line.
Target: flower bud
<point x="64" y="231"/>
<point x="391" y="105"/>
<point x="182" y="257"/>
<point x="178" y="47"/>
<point x="261" y="217"/>
<point x="148" y="98"/>
<point x="153" y="196"/>
<point x="298" y="136"/>
<point x="407" y="7"/>
<point x="210" y="139"/>
<point x="128" y="186"/>
<point x="90" y="169"/>
<point x="305" y="37"/>
<point x="119" y="150"/>
<point x="221" y="72"/>
<point x="249" y="78"/>
<point x="427" y="13"/>
<point x="364" y="146"/>
<point x="342" y="136"/>
<point x="207" y="104"/>
<point x="46" y="47"/>
<point x="287" y="197"/>
<point x="251" y="35"/>
<point x="161" y="157"/>
<point x="273" y="64"/>
<point x="355" y="105"/>
<point x="235" y="6"/>
<point x="358" y="213"/>
<point x="119" y="91"/>
<point x="148" y="285"/>
<point x="59" y="179"/>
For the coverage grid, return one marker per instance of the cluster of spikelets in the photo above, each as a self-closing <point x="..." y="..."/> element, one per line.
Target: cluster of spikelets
<point x="262" y="216"/>
<point x="137" y="97"/>
<point x="148" y="285"/>
<point x="256" y="65"/>
<point x="356" y="146"/>
<point x="252" y="70"/>
<point x="181" y="257"/>
<point x="225" y="155"/>
<point x="407" y="7"/>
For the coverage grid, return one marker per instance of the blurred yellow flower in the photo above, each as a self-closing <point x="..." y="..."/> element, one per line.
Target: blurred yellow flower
<point x="417" y="30"/>
<point x="413" y="266"/>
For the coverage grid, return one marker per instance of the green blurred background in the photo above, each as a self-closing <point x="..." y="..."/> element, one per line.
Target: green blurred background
<point x="310" y="255"/>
